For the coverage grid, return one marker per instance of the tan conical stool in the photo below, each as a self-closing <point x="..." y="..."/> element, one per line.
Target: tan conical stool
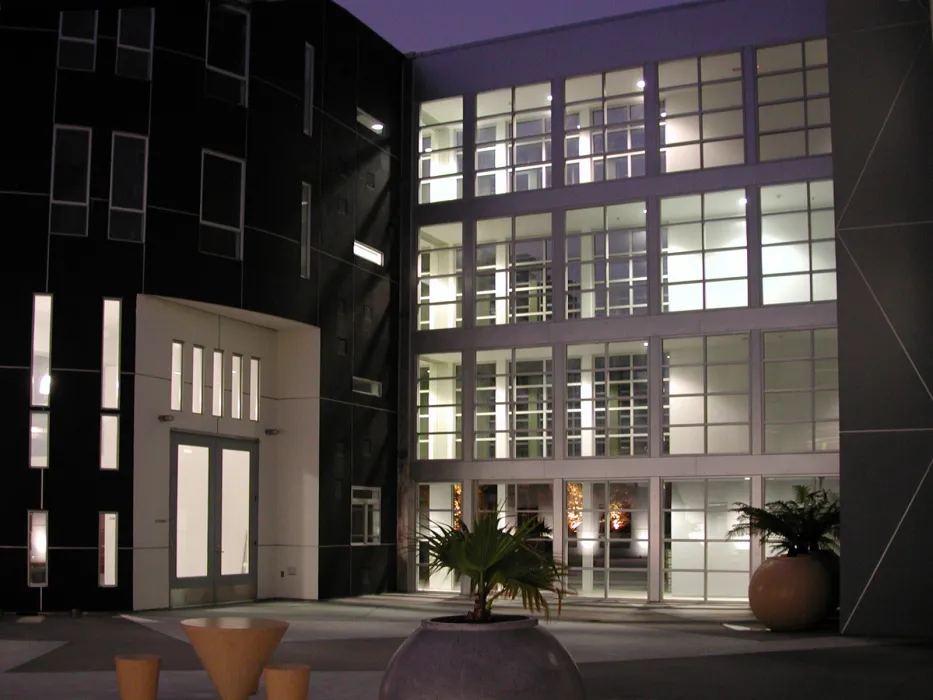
<point x="287" y="681"/>
<point x="138" y="676"/>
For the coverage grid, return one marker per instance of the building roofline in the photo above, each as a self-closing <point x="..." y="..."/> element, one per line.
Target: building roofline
<point x="560" y="28"/>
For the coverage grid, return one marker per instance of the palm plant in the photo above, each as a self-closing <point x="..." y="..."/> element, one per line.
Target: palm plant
<point x="499" y="562"/>
<point x="808" y="523"/>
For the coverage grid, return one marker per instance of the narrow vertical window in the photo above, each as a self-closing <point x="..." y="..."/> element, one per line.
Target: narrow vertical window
<point x="178" y="350"/>
<point x="197" y="379"/>
<point x="107" y="550"/>
<point x="110" y="362"/>
<point x="305" y="230"/>
<point x="71" y="177"/>
<point x="223" y="178"/>
<point x="217" y="391"/>
<point x="128" y="176"/>
<point x="109" y="442"/>
<point x="77" y="39"/>
<point x="39" y="440"/>
<point x="134" y="42"/>
<point x="236" y="388"/>
<point x="38" y="554"/>
<point x="309" y="89"/>
<point x="41" y="349"/>
<point x="254" y="388"/>
<point x="227" y="56"/>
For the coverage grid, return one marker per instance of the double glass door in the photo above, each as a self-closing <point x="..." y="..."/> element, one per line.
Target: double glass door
<point x="213" y="525"/>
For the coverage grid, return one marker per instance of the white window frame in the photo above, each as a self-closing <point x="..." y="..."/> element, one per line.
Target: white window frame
<point x="77" y="40"/>
<point x="31" y="549"/>
<point x="224" y="227"/>
<point x="227" y="7"/>
<point x="87" y="184"/>
<point x="369" y="503"/>
<point x="374" y="387"/>
<point x="113" y="145"/>
<point x="103" y="551"/>
<point x="138" y="49"/>
<point x="308" y="121"/>
<point x="368" y="253"/>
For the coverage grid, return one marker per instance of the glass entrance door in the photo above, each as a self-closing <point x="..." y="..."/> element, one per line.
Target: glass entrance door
<point x="213" y="525"/>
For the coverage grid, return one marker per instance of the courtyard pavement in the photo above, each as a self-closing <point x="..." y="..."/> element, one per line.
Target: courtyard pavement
<point x="625" y="652"/>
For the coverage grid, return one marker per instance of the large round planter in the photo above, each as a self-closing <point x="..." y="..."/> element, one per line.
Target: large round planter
<point x="506" y="659"/>
<point x="830" y="561"/>
<point x="789" y="594"/>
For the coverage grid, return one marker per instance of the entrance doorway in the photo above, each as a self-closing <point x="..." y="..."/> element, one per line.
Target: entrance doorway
<point x="213" y="520"/>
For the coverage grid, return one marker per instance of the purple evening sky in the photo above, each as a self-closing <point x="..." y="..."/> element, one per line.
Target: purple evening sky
<point x="423" y="25"/>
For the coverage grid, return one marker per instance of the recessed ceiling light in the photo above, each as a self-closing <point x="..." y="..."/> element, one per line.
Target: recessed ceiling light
<point x="743" y="201"/>
<point x="646" y="343"/>
<point x="663" y="114"/>
<point x="550" y="97"/>
<point x="641" y="84"/>
<point x="377" y="127"/>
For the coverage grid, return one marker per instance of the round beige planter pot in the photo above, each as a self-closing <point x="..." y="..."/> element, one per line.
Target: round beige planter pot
<point x="507" y="659"/>
<point x="789" y="594"/>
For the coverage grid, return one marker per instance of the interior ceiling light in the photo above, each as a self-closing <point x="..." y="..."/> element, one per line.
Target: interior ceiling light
<point x="641" y="84"/>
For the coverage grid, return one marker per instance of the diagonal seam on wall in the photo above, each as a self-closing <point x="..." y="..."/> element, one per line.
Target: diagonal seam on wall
<point x="900" y="88"/>
<point x="917" y="52"/>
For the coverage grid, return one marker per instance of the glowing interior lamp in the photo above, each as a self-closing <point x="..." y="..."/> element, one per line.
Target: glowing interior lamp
<point x="641" y="84"/>
<point x="550" y="97"/>
<point x="663" y="114"/>
<point x="39" y="545"/>
<point x="743" y="201"/>
<point x="377" y="127"/>
<point x="45" y="385"/>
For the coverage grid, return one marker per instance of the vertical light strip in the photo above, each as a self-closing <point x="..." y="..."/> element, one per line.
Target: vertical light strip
<point x="236" y="388"/>
<point x="178" y="350"/>
<point x="217" y="389"/>
<point x="38" y="559"/>
<point x="41" y="349"/>
<point x="197" y="379"/>
<point x="254" y="388"/>
<point x="110" y="360"/>
<point x="109" y="442"/>
<point x="107" y="550"/>
<point x="39" y="440"/>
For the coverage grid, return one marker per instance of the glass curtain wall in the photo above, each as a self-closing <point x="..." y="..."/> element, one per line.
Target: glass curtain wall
<point x="440" y="148"/>
<point x="801" y="385"/>
<point x="793" y="101"/>
<point x="514" y="404"/>
<point x="604" y="122"/>
<point x="607" y="399"/>
<point x="606" y="545"/>
<point x="513" y="270"/>
<point x="798" y="247"/>
<point x="440" y="276"/>
<point x="699" y="562"/>
<point x="607" y="261"/>
<point x="701" y="114"/>
<point x="517" y="503"/>
<point x="704" y="255"/>
<point x="440" y="406"/>
<point x="705" y="394"/>
<point x="513" y="139"/>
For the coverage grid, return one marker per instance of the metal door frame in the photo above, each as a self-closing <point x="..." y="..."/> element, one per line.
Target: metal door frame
<point x="215" y="445"/>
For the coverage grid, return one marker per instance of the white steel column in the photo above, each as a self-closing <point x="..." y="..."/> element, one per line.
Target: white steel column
<point x="655" y="540"/>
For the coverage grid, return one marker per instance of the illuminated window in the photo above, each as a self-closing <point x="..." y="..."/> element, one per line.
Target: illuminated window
<point x="177" y="381"/>
<point x="109" y="442"/>
<point x="38" y="554"/>
<point x="236" y="387"/>
<point x="197" y="379"/>
<point x="41" y="349"/>
<point x="798" y="247"/>
<point x="513" y="270"/>
<point x="217" y="386"/>
<point x="701" y="116"/>
<point x="793" y="101"/>
<point x="110" y="375"/>
<point x="39" y="440"/>
<point x="440" y="406"/>
<point x="604" y="126"/>
<point x="254" y="398"/>
<point x="365" y="516"/>
<point x="607" y="261"/>
<point x="369" y="254"/>
<point x="440" y="149"/>
<point x="704" y="259"/>
<point x="440" y="276"/>
<point x="107" y="550"/>
<point x="513" y="139"/>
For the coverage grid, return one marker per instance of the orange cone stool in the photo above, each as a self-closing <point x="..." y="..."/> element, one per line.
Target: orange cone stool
<point x="138" y="676"/>
<point x="287" y="681"/>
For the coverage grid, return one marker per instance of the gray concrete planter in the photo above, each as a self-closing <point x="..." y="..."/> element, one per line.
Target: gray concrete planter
<point x="511" y="658"/>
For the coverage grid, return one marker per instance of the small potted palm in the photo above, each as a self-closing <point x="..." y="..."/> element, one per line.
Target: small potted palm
<point x="796" y="589"/>
<point x="482" y="655"/>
